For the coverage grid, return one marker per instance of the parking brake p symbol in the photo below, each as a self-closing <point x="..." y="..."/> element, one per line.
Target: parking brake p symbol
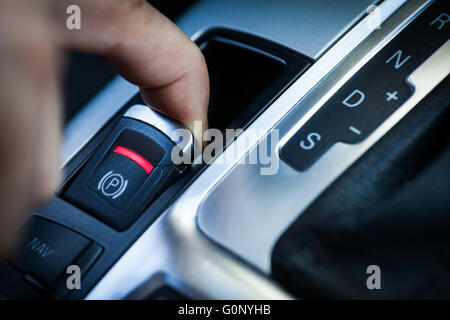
<point x="112" y="185"/>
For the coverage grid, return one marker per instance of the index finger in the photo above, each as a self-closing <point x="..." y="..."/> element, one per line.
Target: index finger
<point x="147" y="49"/>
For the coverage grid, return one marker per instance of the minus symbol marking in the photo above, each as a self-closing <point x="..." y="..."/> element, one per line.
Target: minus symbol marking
<point x="354" y="130"/>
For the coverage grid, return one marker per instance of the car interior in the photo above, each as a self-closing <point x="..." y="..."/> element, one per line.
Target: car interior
<point x="350" y="102"/>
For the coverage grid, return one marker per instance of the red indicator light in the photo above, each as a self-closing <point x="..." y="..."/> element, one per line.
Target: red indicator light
<point x="140" y="160"/>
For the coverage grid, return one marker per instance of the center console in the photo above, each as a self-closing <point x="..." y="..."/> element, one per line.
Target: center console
<point x="297" y="77"/>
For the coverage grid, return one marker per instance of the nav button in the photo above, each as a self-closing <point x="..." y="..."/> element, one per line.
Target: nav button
<point x="47" y="249"/>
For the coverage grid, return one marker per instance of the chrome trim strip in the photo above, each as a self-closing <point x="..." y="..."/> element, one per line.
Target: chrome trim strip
<point x="166" y="125"/>
<point x="175" y="246"/>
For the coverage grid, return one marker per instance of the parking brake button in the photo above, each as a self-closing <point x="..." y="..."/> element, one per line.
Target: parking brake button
<point x="130" y="169"/>
<point x="123" y="171"/>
